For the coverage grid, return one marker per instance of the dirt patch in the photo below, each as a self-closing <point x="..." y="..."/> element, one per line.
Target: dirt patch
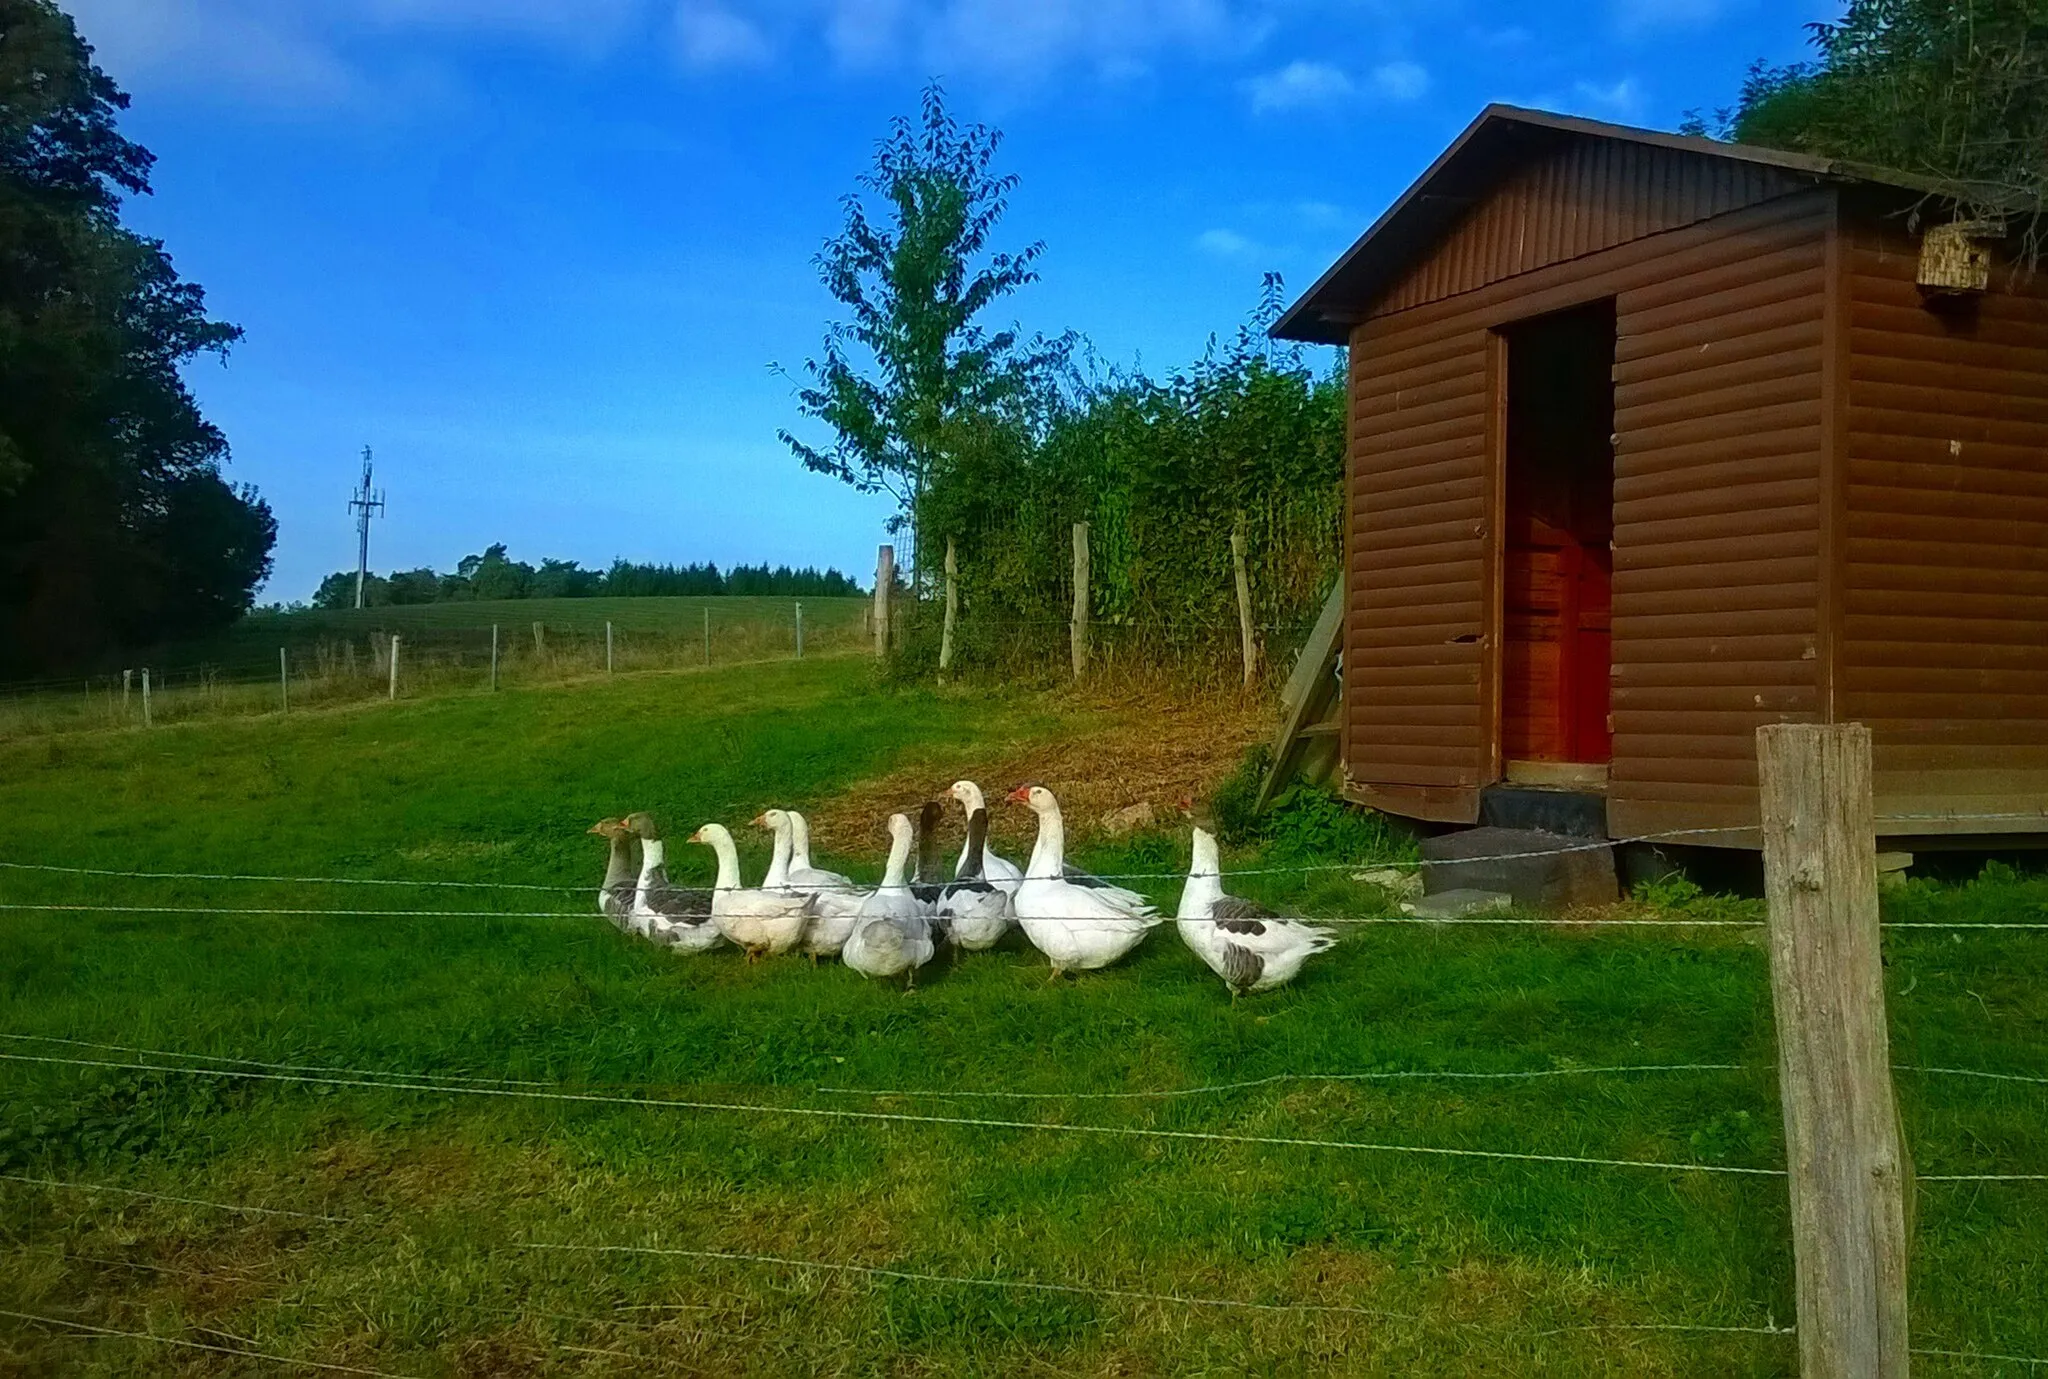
<point x="1107" y="754"/>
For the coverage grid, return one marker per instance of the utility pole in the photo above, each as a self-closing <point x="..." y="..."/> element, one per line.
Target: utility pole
<point x="366" y="503"/>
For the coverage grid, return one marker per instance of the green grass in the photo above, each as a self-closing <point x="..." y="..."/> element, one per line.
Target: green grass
<point x="1492" y="1267"/>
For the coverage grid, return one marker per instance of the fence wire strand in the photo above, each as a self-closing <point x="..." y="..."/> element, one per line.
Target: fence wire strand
<point x="90" y="1329"/>
<point x="908" y="1118"/>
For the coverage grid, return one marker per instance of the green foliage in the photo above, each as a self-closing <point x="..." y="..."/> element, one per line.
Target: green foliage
<point x="115" y="523"/>
<point x="1951" y="90"/>
<point x="1163" y="472"/>
<point x="1680" y="895"/>
<point x="494" y="576"/>
<point x="126" y="1115"/>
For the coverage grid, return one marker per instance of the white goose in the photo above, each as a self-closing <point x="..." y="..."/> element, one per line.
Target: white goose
<point x="802" y="875"/>
<point x="677" y="916"/>
<point x="615" y="893"/>
<point x="892" y="936"/>
<point x="998" y="870"/>
<point x="762" y="922"/>
<point x="835" y="899"/>
<point x="1247" y="945"/>
<point x="1077" y="926"/>
<point x="975" y="910"/>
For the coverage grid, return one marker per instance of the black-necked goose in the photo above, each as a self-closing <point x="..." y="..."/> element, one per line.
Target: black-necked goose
<point x="676" y="916"/>
<point x="975" y="910"/>
<point x="892" y="936"/>
<point x="761" y="922"/>
<point x="1078" y="927"/>
<point x="1247" y="945"/>
<point x="999" y="870"/>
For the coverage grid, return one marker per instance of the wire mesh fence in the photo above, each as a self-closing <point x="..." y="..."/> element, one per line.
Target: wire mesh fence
<point x="343" y="666"/>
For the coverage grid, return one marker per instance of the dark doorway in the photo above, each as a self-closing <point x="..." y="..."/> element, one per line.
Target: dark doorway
<point x="1558" y="564"/>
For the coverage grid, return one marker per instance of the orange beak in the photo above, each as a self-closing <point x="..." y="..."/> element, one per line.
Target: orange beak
<point x="761" y="820"/>
<point x="1021" y="795"/>
<point x="604" y="827"/>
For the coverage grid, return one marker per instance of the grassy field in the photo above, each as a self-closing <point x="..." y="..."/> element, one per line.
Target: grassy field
<point x="337" y="656"/>
<point x="463" y="1223"/>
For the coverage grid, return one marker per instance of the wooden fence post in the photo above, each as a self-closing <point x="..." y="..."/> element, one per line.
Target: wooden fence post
<point x="494" y="656"/>
<point x="885" y="579"/>
<point x="394" y="665"/>
<point x="607" y="647"/>
<point x="799" y="629"/>
<point x="147" y="721"/>
<point x="952" y="609"/>
<point x="284" y="683"/>
<point x="124" y="692"/>
<point x="1249" y="643"/>
<point x="1077" y="630"/>
<point x="707" y="634"/>
<point x="540" y="640"/>
<point x="1849" y="1174"/>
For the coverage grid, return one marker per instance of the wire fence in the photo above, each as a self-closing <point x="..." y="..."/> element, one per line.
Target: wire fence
<point x="332" y="666"/>
<point x="637" y="1098"/>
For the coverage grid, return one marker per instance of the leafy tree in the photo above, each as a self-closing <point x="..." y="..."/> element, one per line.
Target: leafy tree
<point x="1955" y="91"/>
<point x="115" y="525"/>
<point x="911" y="366"/>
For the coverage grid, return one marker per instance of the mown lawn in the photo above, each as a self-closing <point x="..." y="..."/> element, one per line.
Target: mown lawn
<point x="494" y="1227"/>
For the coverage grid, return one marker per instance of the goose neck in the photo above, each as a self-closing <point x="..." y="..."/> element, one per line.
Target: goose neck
<point x="779" y="861"/>
<point x="1048" y="853"/>
<point x="899" y="859"/>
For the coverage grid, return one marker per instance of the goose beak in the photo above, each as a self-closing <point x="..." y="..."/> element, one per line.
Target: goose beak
<point x="696" y="837"/>
<point x="760" y="820"/>
<point x="1021" y="795"/>
<point x="603" y="827"/>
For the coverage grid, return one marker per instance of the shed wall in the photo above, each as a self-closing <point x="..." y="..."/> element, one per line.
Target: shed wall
<point x="1717" y="547"/>
<point x="1586" y="195"/>
<point x="1944" y="620"/>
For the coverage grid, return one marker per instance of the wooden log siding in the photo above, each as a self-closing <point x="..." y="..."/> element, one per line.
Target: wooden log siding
<point x="1718" y="404"/>
<point x="1943" y="623"/>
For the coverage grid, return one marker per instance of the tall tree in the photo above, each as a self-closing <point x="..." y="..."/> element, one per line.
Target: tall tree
<point x="115" y="523"/>
<point x="1952" y="90"/>
<point x="911" y="365"/>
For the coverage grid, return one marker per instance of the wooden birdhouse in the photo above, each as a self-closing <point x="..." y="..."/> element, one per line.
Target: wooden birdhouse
<point x="1956" y="258"/>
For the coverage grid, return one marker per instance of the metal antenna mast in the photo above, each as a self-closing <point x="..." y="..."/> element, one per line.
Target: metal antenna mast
<point x="366" y="503"/>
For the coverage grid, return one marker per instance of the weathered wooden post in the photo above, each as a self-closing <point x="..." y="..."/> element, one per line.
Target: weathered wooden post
<point x="494" y="656"/>
<point x="608" y="647"/>
<point x="799" y="629"/>
<point x="1849" y="1172"/>
<point x="147" y="720"/>
<point x="707" y="634"/>
<point x="394" y="665"/>
<point x="1077" y="630"/>
<point x="284" y="683"/>
<point x="885" y="579"/>
<point x="1249" y="642"/>
<point x="952" y="609"/>
<point x="348" y="656"/>
<point x="540" y="640"/>
<point x="124" y="692"/>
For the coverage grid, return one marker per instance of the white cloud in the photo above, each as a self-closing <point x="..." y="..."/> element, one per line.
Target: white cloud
<point x="1300" y="85"/>
<point x="1400" y="81"/>
<point x="1228" y="244"/>
<point x="709" y="35"/>
<point x="321" y="51"/>
<point x="1620" y="100"/>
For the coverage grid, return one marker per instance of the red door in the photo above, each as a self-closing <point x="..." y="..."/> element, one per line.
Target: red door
<point x="1558" y="558"/>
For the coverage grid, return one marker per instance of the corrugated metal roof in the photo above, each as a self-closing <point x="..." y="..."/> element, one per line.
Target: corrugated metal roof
<point x="1501" y="138"/>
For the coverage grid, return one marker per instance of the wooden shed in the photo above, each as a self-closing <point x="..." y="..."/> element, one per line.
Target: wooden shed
<point x="1655" y="439"/>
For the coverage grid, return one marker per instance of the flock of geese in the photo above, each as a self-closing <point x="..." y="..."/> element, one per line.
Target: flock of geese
<point x="1080" y="922"/>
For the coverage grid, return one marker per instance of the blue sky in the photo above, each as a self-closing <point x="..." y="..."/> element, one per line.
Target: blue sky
<point x="540" y="254"/>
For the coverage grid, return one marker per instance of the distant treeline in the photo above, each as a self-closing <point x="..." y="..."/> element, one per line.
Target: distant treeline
<point x="494" y="575"/>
